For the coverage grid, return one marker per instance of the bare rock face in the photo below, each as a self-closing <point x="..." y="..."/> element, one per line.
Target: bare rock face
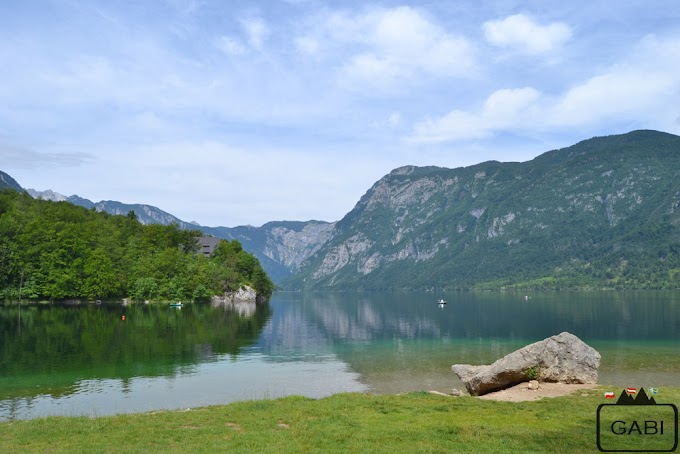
<point x="561" y="359"/>
<point x="244" y="294"/>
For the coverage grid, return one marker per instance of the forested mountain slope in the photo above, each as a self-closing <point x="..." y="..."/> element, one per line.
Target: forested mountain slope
<point x="602" y="213"/>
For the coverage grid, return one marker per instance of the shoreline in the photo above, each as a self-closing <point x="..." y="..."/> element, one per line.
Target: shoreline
<point x="519" y="393"/>
<point x="522" y="393"/>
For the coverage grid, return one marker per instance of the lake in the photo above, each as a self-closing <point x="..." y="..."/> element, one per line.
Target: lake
<point x="113" y="358"/>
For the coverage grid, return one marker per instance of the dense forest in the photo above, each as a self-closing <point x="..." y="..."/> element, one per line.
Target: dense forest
<point x="56" y="251"/>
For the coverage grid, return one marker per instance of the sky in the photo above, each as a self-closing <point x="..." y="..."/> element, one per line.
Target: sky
<point x="242" y="112"/>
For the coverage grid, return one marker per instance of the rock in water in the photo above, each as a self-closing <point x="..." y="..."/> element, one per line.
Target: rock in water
<point x="562" y="359"/>
<point x="245" y="294"/>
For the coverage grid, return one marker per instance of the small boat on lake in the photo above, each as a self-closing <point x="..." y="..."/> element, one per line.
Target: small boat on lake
<point x="441" y="303"/>
<point x="178" y="304"/>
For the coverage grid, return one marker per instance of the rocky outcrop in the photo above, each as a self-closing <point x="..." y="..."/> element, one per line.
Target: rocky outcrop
<point x="244" y="294"/>
<point x="563" y="358"/>
<point x="292" y="243"/>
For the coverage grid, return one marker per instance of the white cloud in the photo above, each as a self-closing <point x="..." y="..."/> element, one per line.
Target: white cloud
<point x="256" y="30"/>
<point x="522" y="33"/>
<point x="13" y="157"/>
<point x="403" y="43"/>
<point x="503" y="109"/>
<point x="643" y="88"/>
<point x="640" y="91"/>
<point x="503" y="106"/>
<point x="230" y="46"/>
<point x="307" y="45"/>
<point x="394" y="119"/>
<point x="615" y="95"/>
<point x="382" y="47"/>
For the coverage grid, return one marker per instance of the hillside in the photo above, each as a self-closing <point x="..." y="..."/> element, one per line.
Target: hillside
<point x="7" y="182"/>
<point x="280" y="246"/>
<point x="601" y="213"/>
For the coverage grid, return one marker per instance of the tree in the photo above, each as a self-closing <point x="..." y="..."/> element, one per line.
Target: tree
<point x="261" y="282"/>
<point x="144" y="288"/>
<point x="100" y="276"/>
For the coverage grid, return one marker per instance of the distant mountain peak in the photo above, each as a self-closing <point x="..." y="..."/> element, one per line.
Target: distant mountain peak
<point x="46" y="195"/>
<point x="7" y="182"/>
<point x="405" y="170"/>
<point x="414" y="170"/>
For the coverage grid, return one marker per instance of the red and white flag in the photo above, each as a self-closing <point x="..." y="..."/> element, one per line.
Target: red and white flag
<point x="631" y="390"/>
<point x="609" y="395"/>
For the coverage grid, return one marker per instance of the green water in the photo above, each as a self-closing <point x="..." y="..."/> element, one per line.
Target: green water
<point x="86" y="359"/>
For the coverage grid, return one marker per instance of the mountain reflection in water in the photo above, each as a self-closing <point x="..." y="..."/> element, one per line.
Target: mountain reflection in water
<point x="87" y="360"/>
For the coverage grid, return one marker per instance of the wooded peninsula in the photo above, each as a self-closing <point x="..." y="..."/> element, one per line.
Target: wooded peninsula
<point x="57" y="251"/>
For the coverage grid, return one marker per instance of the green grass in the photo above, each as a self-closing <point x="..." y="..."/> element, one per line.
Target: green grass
<point x="416" y="422"/>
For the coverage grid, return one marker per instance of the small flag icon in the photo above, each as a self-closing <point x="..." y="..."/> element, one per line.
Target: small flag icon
<point x="609" y="395"/>
<point x="631" y="390"/>
<point x="653" y="390"/>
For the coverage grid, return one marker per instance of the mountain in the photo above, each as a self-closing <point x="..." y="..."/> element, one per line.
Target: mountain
<point x="279" y="246"/>
<point x="7" y="182"/>
<point x="146" y="214"/>
<point x="601" y="213"/>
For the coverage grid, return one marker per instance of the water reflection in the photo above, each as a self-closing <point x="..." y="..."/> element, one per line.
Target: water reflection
<point x="45" y="348"/>
<point x="88" y="360"/>
<point x="598" y="315"/>
<point x="400" y="342"/>
<point x="242" y="308"/>
<point x="109" y="358"/>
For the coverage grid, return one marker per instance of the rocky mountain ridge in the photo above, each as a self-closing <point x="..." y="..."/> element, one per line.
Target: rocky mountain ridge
<point x="600" y="213"/>
<point x="146" y="214"/>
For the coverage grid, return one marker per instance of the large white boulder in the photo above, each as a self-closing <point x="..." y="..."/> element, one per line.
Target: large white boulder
<point x="563" y="359"/>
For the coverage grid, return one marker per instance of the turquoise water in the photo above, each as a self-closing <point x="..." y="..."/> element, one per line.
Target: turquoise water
<point x="87" y="360"/>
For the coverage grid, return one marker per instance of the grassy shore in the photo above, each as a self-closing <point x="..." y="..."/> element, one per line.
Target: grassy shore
<point x="416" y="422"/>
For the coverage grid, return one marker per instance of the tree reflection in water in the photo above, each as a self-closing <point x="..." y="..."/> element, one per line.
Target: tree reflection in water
<point x="48" y="348"/>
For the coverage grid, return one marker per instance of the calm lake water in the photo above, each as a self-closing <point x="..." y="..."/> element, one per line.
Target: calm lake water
<point x="87" y="360"/>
